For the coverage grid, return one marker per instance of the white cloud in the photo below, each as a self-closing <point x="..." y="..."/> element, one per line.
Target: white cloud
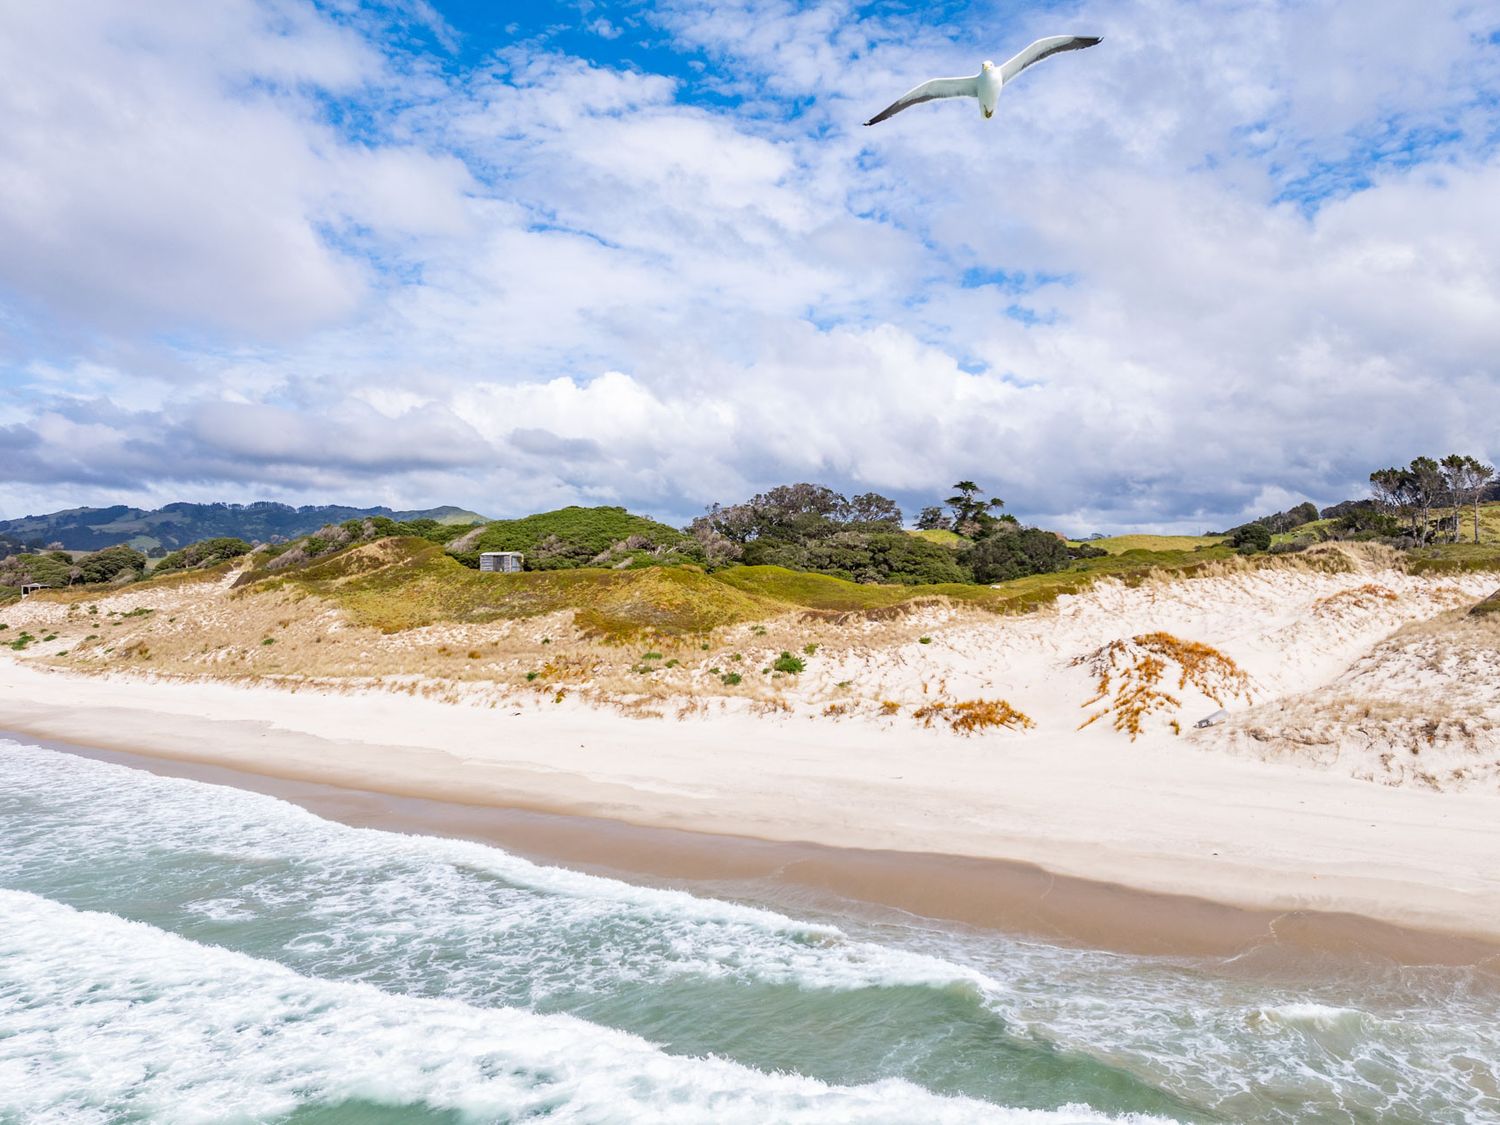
<point x="544" y="280"/>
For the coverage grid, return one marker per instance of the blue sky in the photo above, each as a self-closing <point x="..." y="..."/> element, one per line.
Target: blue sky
<point x="519" y="255"/>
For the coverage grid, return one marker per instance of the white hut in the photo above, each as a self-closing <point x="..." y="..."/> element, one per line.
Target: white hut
<point x="501" y="562"/>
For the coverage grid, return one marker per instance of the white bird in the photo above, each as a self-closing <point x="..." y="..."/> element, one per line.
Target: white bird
<point x="987" y="83"/>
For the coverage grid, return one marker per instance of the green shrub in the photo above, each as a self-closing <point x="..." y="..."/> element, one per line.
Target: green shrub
<point x="1250" y="537"/>
<point x="577" y="537"/>
<point x="1008" y="554"/>
<point x="788" y="663"/>
<point x="731" y="678"/>
<point x="205" y="553"/>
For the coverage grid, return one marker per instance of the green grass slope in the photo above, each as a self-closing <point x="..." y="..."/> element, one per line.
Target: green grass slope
<point x="941" y="536"/>
<point x="581" y="534"/>
<point x="404" y="583"/>
<point x="1120" y="544"/>
<point x="398" y="584"/>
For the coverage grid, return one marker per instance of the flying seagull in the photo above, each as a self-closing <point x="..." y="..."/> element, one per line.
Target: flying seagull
<point x="987" y="83"/>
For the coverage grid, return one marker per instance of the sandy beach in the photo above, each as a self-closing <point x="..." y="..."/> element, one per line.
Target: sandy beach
<point x="1162" y="817"/>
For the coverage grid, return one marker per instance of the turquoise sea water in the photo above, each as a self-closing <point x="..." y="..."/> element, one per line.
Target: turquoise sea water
<point x="182" y="952"/>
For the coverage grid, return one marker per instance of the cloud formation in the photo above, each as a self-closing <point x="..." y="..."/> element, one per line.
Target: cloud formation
<point x="1236" y="257"/>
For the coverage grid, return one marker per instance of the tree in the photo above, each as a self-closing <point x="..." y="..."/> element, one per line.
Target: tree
<point x="874" y="511"/>
<point x="110" y="563"/>
<point x="1251" y="537"/>
<point x="1455" y="483"/>
<point x="1480" y="476"/>
<point x="971" y="512"/>
<point x="933" y="518"/>
<point x="999" y="558"/>
<point x="1465" y="478"/>
<point x="795" y="513"/>
<point x="1411" y="494"/>
<point x="1305" y="512"/>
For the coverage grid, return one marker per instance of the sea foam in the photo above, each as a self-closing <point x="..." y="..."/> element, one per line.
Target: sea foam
<point x="505" y="927"/>
<point x="103" y="1018"/>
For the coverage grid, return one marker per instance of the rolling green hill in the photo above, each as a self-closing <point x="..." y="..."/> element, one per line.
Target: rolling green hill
<point x="177" y="525"/>
<point x="1119" y="544"/>
<point x="572" y="537"/>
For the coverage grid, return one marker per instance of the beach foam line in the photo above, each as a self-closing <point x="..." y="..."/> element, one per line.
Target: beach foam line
<point x="351" y="886"/>
<point x="102" y="1018"/>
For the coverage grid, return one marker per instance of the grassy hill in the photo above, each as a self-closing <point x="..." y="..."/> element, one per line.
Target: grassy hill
<point x="1119" y="544"/>
<point x="405" y="583"/>
<point x="941" y="536"/>
<point x="573" y="537"/>
<point x="178" y="525"/>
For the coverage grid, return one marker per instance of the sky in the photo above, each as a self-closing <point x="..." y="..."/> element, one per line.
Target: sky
<point x="513" y="255"/>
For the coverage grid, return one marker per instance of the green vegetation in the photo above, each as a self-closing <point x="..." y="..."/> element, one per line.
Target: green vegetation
<point x="57" y="569"/>
<point x="578" y="537"/>
<point x="1416" y="497"/>
<point x="941" y="536"/>
<point x="1454" y="558"/>
<point x="1119" y="544"/>
<point x="1001" y="556"/>
<point x="1250" y="537"/>
<point x="789" y="664"/>
<point x="400" y="584"/>
<point x="335" y="539"/>
<point x="177" y="525"/>
<point x="808" y="527"/>
<point x="208" y="552"/>
<point x="403" y="583"/>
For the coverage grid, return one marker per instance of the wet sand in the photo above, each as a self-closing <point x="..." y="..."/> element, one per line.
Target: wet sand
<point x="1017" y="898"/>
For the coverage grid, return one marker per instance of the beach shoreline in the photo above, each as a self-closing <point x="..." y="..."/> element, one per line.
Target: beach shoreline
<point x="1125" y="865"/>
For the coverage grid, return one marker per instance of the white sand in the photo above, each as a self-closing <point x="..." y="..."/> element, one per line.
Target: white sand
<point x="1173" y="820"/>
<point x="1162" y="813"/>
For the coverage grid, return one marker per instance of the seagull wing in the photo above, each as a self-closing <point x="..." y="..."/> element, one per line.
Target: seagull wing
<point x="1040" y="50"/>
<point x="930" y="91"/>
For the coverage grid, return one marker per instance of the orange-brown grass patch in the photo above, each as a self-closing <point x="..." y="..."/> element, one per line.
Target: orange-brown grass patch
<point x="1134" y="669"/>
<point x="1367" y="596"/>
<point x="973" y="715"/>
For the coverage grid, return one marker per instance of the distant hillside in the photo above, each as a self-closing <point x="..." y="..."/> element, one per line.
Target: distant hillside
<point x="177" y="525"/>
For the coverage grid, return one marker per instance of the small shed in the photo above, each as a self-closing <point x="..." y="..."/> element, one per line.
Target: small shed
<point x="30" y="588"/>
<point x="501" y="562"/>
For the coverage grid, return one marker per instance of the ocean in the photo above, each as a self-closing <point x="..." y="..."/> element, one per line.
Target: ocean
<point x="176" y="951"/>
